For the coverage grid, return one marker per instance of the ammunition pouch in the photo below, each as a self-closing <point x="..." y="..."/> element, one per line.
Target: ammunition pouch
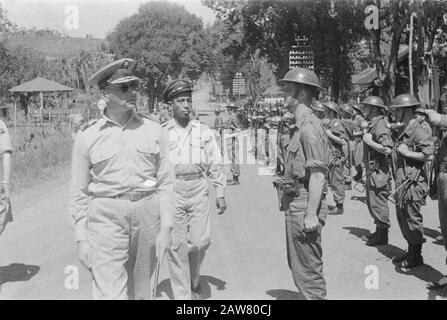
<point x="287" y="190"/>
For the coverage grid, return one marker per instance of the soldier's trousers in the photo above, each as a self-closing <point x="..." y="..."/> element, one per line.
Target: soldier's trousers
<point x="337" y="181"/>
<point x="273" y="147"/>
<point x="378" y="187"/>
<point x="232" y="146"/>
<point x="5" y="212"/>
<point x="190" y="235"/>
<point x="122" y="237"/>
<point x="304" y="250"/>
<point x="442" y="205"/>
<point x="261" y="144"/>
<point x="409" y="214"/>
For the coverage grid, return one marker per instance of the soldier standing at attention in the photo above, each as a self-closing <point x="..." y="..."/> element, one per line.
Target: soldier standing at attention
<point x="338" y="139"/>
<point x="307" y="160"/>
<point x="121" y="190"/>
<point x="358" y="142"/>
<point x="196" y="156"/>
<point x="5" y="194"/>
<point x="232" y="126"/>
<point x="415" y="147"/>
<point x="378" y="148"/>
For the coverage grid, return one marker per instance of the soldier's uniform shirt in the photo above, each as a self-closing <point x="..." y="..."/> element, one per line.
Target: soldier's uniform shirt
<point x="408" y="213"/>
<point x="308" y="148"/>
<point x="378" y="182"/>
<point x="193" y="151"/>
<point x="5" y="208"/>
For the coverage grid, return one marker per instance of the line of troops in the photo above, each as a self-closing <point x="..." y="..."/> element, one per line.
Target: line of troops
<point x="139" y="189"/>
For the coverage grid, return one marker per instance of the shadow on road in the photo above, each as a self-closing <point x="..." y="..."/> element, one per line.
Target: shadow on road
<point x="205" y="283"/>
<point x="17" y="272"/>
<point x="433" y="234"/>
<point x="361" y="233"/>
<point x="359" y="198"/>
<point x="281" y="294"/>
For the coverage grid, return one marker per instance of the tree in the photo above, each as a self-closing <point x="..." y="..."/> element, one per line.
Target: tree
<point x="162" y="37"/>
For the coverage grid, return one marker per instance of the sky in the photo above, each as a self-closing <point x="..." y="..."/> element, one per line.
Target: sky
<point x="95" y="17"/>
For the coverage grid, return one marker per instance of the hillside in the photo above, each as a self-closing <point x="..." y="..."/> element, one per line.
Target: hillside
<point x="55" y="46"/>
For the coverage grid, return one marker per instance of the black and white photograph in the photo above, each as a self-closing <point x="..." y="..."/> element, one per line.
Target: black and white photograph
<point x="251" y="150"/>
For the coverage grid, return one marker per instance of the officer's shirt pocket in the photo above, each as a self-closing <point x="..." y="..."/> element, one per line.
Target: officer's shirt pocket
<point x="148" y="150"/>
<point x="198" y="153"/>
<point x="100" y="159"/>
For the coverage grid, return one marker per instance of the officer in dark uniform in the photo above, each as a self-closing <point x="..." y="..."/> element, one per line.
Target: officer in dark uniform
<point x="415" y="147"/>
<point x="303" y="200"/>
<point x="338" y="138"/>
<point x="378" y="147"/>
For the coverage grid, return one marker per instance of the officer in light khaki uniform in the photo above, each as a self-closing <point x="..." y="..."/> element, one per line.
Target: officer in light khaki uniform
<point x="196" y="157"/>
<point x="121" y="190"/>
<point x="5" y="151"/>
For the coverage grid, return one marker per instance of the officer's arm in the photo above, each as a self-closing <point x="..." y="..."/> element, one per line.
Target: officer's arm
<point x="6" y="150"/>
<point x="165" y="182"/>
<point x="216" y="170"/>
<point x="80" y="179"/>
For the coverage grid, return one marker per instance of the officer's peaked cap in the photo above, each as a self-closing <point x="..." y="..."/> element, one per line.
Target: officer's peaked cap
<point x="176" y="87"/>
<point x="119" y="71"/>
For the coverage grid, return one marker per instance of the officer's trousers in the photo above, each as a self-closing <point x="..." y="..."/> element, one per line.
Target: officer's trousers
<point x="122" y="237"/>
<point x="5" y="212"/>
<point x="273" y="147"/>
<point x="261" y="144"/>
<point x="408" y="212"/>
<point x="378" y="186"/>
<point x="337" y="181"/>
<point x="442" y="205"/>
<point x="190" y="235"/>
<point x="304" y="250"/>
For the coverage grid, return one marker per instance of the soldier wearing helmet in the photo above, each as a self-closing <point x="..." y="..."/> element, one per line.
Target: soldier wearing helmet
<point x="415" y="147"/>
<point x="302" y="185"/>
<point x="378" y="146"/>
<point x="357" y="147"/>
<point x="319" y="109"/>
<point x="338" y="137"/>
<point x="197" y="158"/>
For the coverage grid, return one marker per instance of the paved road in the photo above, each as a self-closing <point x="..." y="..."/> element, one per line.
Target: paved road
<point x="247" y="258"/>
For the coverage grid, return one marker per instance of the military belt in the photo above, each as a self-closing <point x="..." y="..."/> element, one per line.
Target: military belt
<point x="133" y="196"/>
<point x="189" y="176"/>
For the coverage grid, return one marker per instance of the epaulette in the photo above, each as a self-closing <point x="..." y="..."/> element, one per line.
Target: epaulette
<point x="150" y="117"/>
<point x="87" y="124"/>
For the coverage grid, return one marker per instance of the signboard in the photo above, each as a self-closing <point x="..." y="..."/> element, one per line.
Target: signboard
<point x="301" y="55"/>
<point x="238" y="84"/>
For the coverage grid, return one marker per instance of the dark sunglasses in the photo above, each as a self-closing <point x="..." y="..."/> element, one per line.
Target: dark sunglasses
<point x="125" y="87"/>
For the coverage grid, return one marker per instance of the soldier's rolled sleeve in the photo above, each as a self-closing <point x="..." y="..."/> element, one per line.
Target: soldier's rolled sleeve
<point x="165" y="182"/>
<point x="425" y="143"/>
<point x="383" y="134"/>
<point x="314" y="149"/>
<point x="79" y="195"/>
<point x="217" y="175"/>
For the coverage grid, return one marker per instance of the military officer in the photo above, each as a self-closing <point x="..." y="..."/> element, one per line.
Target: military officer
<point x="338" y="138"/>
<point x="440" y="120"/>
<point x="5" y="194"/>
<point x="196" y="157"/>
<point x="378" y="147"/>
<point x="232" y="126"/>
<point x="121" y="190"/>
<point x="303" y="184"/>
<point x="415" y="147"/>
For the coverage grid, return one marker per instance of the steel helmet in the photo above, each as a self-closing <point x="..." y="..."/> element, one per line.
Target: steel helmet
<point x="332" y="106"/>
<point x="174" y="88"/>
<point x="347" y="108"/>
<point x="404" y="100"/>
<point x="304" y="76"/>
<point x="374" y="101"/>
<point x="357" y="107"/>
<point x="318" y="106"/>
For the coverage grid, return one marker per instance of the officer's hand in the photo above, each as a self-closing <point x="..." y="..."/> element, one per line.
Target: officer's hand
<point x="311" y="223"/>
<point x="388" y="151"/>
<point x="221" y="205"/>
<point x="163" y="241"/>
<point x="84" y="253"/>
<point x="403" y="149"/>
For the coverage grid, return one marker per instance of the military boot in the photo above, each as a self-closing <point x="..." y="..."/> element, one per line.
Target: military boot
<point x="379" y="238"/>
<point x="338" y="210"/>
<point x="233" y="182"/>
<point x="414" y="257"/>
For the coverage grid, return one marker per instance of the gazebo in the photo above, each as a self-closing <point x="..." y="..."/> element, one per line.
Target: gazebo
<point x="39" y="85"/>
